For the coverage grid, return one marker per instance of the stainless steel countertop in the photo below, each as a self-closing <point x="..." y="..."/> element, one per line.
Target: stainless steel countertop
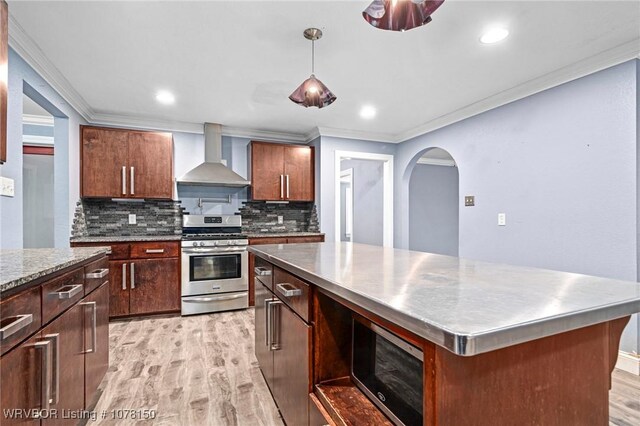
<point x="466" y="306"/>
<point x="21" y="266"/>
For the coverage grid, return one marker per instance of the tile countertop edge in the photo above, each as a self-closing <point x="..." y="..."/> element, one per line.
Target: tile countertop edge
<point x="464" y="344"/>
<point x="93" y="252"/>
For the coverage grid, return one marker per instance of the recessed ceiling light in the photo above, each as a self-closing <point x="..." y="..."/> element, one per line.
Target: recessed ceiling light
<point x="165" y="97"/>
<point x="367" y="112"/>
<point x="494" y="35"/>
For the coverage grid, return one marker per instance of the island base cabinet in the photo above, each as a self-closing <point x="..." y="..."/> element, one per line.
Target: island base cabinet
<point x="262" y="327"/>
<point x="20" y="374"/>
<point x="290" y="388"/>
<point x="96" y="337"/>
<point x="66" y="335"/>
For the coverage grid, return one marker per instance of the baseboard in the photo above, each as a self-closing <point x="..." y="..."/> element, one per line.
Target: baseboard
<point x="628" y="362"/>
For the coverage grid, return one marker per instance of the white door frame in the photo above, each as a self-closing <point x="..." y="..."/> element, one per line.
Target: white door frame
<point x="387" y="195"/>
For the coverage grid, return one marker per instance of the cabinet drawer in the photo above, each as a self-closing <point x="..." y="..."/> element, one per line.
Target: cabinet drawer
<point x="311" y="239"/>
<point x="119" y="251"/>
<point x="96" y="274"/>
<point x="292" y="291"/>
<point x="61" y="293"/>
<point x="263" y="271"/>
<point x="20" y="316"/>
<point x="155" y="249"/>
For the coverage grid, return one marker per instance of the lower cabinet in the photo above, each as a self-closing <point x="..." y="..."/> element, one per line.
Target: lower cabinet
<point x="20" y="374"/>
<point x="150" y="289"/>
<point x="96" y="337"/>
<point x="282" y="349"/>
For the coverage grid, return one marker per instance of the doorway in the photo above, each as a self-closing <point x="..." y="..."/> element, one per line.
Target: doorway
<point x="38" y="176"/>
<point x="433" y="204"/>
<point x="364" y="198"/>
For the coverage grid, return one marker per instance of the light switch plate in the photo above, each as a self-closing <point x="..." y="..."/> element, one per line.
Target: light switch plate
<point x="280" y="220"/>
<point x="132" y="219"/>
<point x="502" y="219"/>
<point x="469" y="200"/>
<point x="7" y="187"/>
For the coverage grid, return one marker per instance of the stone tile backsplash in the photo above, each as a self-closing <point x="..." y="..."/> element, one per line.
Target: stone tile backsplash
<point x="102" y="217"/>
<point x="262" y="217"/>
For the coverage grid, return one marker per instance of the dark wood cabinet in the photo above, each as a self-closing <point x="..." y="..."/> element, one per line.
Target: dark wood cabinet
<point x="20" y="378"/>
<point x="66" y="334"/>
<point x="118" y="290"/>
<point x="4" y="77"/>
<point x="282" y="172"/>
<point x="120" y="163"/>
<point x="263" y="351"/>
<point x="96" y="337"/>
<point x="151" y="291"/>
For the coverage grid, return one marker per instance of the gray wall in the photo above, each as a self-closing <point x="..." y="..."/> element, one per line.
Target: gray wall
<point x="562" y="164"/>
<point x="433" y="209"/>
<point x="367" y="200"/>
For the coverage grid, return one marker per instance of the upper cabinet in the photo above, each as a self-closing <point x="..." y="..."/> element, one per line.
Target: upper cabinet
<point x="282" y="172"/>
<point x="4" y="58"/>
<point x="119" y="163"/>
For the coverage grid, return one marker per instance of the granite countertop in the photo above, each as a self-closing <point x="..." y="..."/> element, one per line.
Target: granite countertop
<point x="20" y="266"/>
<point x="126" y="238"/>
<point x="282" y="234"/>
<point x="466" y="306"/>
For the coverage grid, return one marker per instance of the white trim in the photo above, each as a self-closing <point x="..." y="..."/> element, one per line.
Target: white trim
<point x="37" y="140"/>
<point x="436" y="162"/>
<point x="346" y="176"/>
<point x="265" y="135"/>
<point x="37" y="120"/>
<point x="628" y="362"/>
<point x="356" y="134"/>
<point x="387" y="192"/>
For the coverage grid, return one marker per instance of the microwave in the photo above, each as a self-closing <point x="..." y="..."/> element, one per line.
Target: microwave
<point x="389" y="370"/>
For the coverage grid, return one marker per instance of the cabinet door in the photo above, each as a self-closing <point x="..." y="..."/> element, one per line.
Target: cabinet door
<point x="104" y="161"/>
<point x="291" y="366"/>
<point x="267" y="171"/>
<point x="299" y="173"/>
<point x="150" y="169"/>
<point x="67" y="389"/>
<point x="20" y="378"/>
<point x="263" y="352"/>
<point x="155" y="286"/>
<point x="118" y="288"/>
<point x="96" y="337"/>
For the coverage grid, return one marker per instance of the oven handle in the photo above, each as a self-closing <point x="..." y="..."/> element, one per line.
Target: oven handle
<point x="213" y="251"/>
<point x="214" y="299"/>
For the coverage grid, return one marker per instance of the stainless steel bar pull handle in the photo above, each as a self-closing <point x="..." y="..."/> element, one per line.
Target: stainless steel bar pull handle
<point x="44" y="347"/>
<point x="98" y="273"/>
<point x="55" y="367"/>
<point x="20" y="322"/>
<point x="94" y="326"/>
<point x="124" y="276"/>
<point x="124" y="180"/>
<point x="275" y="325"/>
<point x="133" y="275"/>
<point x="154" y="251"/>
<point x="267" y="313"/>
<point x="288" y="290"/>
<point x="281" y="186"/>
<point x="262" y="271"/>
<point x="287" y="186"/>
<point x="68" y="291"/>
<point x="133" y="180"/>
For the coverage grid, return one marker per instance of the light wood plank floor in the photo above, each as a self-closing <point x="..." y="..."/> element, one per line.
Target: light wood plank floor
<point x="201" y="370"/>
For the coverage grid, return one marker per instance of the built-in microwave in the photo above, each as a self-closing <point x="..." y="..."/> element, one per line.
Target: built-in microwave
<point x="389" y="370"/>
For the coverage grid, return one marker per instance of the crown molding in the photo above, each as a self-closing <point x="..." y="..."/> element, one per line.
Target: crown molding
<point x="24" y="45"/>
<point x="436" y="162"/>
<point x="242" y="132"/>
<point x="598" y="62"/>
<point x="356" y="134"/>
<point x="145" y="123"/>
<point x="37" y="120"/>
<point x="38" y="140"/>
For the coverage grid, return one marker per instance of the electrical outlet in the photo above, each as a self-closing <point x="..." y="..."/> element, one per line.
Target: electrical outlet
<point x="7" y="187"/>
<point x="280" y="220"/>
<point x="469" y="201"/>
<point x="132" y="219"/>
<point x="502" y="219"/>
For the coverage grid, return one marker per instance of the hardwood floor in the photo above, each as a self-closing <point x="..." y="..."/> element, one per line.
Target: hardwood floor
<point x="201" y="370"/>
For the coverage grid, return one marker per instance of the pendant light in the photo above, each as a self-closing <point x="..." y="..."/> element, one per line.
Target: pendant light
<point x="400" y="15"/>
<point x="312" y="92"/>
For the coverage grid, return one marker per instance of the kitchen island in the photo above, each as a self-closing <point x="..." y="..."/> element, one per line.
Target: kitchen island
<point x="500" y="344"/>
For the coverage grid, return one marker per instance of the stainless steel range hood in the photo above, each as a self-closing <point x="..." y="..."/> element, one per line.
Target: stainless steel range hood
<point x="212" y="172"/>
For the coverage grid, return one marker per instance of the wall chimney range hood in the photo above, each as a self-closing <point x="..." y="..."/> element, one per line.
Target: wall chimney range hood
<point x="212" y="172"/>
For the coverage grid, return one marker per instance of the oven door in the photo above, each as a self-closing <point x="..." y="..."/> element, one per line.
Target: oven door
<point x="214" y="270"/>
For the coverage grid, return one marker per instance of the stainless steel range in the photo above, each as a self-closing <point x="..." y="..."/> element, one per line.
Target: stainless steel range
<point x="214" y="264"/>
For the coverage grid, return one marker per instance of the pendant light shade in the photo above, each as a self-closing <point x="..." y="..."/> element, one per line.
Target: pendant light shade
<point x="312" y="92"/>
<point x="400" y="15"/>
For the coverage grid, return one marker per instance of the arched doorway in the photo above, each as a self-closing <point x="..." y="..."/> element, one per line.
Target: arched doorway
<point x="433" y="203"/>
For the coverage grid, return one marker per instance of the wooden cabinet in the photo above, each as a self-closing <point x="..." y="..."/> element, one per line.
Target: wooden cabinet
<point x="4" y="76"/>
<point x="20" y="373"/>
<point x="96" y="337"/>
<point x="119" y="163"/>
<point x="145" y="277"/>
<point x="262" y="321"/>
<point x="282" y="172"/>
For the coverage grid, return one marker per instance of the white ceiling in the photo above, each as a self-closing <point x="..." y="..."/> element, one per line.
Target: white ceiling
<point x="235" y="63"/>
